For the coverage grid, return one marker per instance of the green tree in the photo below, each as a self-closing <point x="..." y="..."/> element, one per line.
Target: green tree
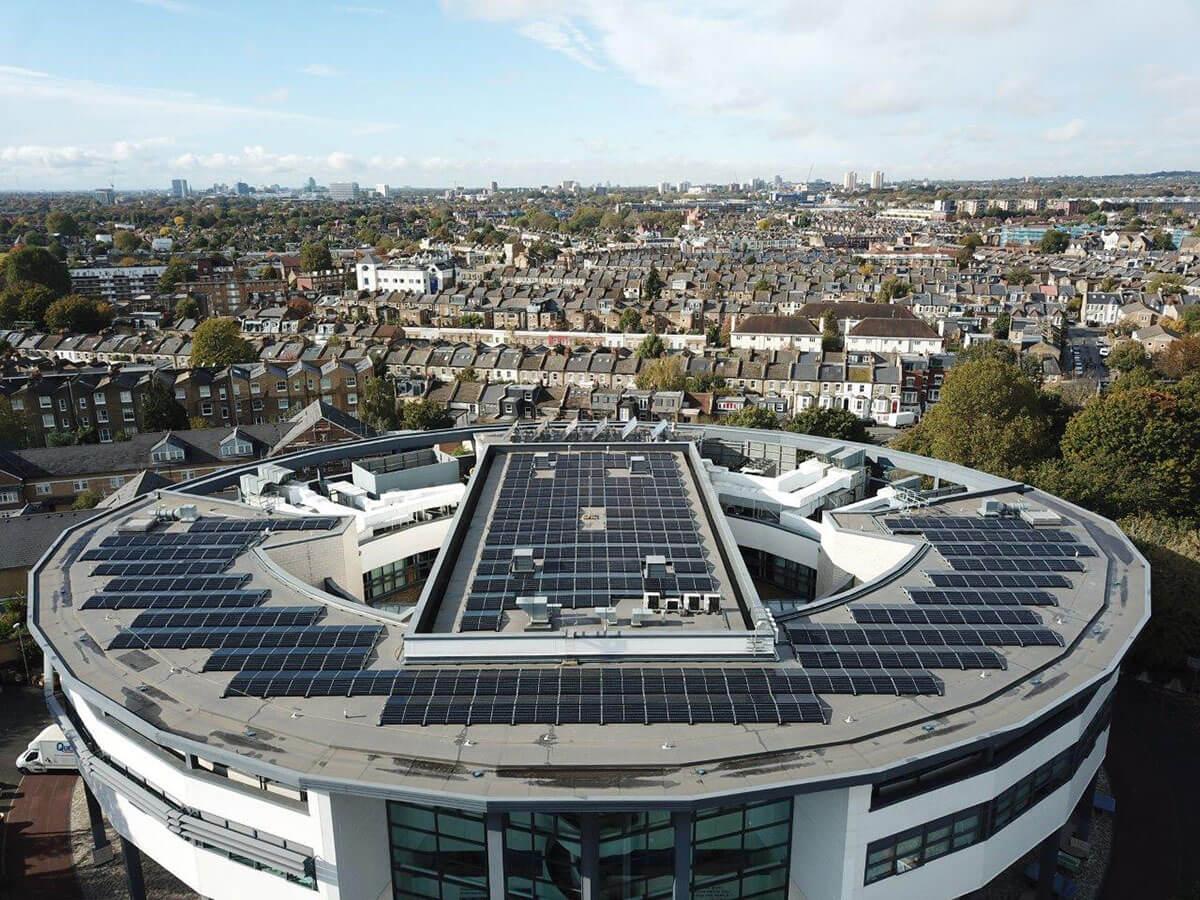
<point x="1019" y="275"/>
<point x="1000" y="326"/>
<point x="631" y="320"/>
<point x="1054" y="241"/>
<point x="187" y="308"/>
<point x="315" y="257"/>
<point x="468" y="374"/>
<point x="991" y="416"/>
<point x="86" y="500"/>
<point x="377" y="404"/>
<point x="1181" y="358"/>
<point x="1127" y="356"/>
<point x="752" y="417"/>
<point x="28" y="266"/>
<point x="652" y="285"/>
<point x="762" y="286"/>
<point x="14" y="427"/>
<point x="126" y="241"/>
<point x="712" y="335"/>
<point x="893" y="287"/>
<point x="1162" y="240"/>
<point x="470" y="320"/>
<point x="160" y="410"/>
<point x="176" y="272"/>
<point x="25" y="303"/>
<point x="60" y="222"/>
<point x="663" y="374"/>
<point x="218" y="342"/>
<point x="832" y="423"/>
<point x="651" y="346"/>
<point x="78" y="314"/>
<point x="425" y="415"/>
<point x="1166" y="283"/>
<point x="972" y="241"/>
<point x="541" y="253"/>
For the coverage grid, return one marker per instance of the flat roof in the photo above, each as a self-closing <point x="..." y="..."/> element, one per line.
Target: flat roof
<point x="173" y="687"/>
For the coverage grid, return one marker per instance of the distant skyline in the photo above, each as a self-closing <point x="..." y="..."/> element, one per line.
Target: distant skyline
<point x="529" y="92"/>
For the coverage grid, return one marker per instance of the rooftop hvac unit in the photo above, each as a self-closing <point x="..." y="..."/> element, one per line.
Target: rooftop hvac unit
<point x="991" y="508"/>
<point x="652" y="600"/>
<point x="1041" y="517"/>
<point x="693" y="603"/>
<point x="543" y="462"/>
<point x="187" y="513"/>
<point x="640" y="617"/>
<point x="539" y="609"/>
<point x="608" y="614"/>
<point x="673" y="604"/>
<point x="654" y="567"/>
<point x="523" y="561"/>
<point x="639" y="465"/>
<point x="139" y="523"/>
<point x="712" y="602"/>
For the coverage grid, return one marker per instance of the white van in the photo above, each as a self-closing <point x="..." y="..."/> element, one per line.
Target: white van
<point x="50" y="751"/>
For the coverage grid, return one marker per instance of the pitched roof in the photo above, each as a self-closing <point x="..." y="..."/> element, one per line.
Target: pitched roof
<point x="896" y="328"/>
<point x="776" y="325"/>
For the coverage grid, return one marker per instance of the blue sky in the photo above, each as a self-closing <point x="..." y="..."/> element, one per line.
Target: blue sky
<point x="529" y="92"/>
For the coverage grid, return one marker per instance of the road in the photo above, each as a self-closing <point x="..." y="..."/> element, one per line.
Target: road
<point x="1083" y="346"/>
<point x="37" y="847"/>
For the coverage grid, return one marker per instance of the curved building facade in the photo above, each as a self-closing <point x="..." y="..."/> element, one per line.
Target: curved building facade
<point x="589" y="661"/>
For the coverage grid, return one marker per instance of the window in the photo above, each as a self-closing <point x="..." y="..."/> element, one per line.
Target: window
<point x="17" y="404"/>
<point x="128" y="415"/>
<point x="437" y="853"/>
<point x="542" y="855"/>
<point x="43" y="490"/>
<point x="206" y="409"/>
<point x="236" y="447"/>
<point x="79" y="484"/>
<point x="48" y="420"/>
<point x="224" y="412"/>
<point x="126" y="397"/>
<point x="9" y="495"/>
<point x="99" y="398"/>
<point x="283" y="402"/>
<point x="205" y="391"/>
<point x="83" y="402"/>
<point x="352" y="399"/>
<point x="742" y="851"/>
<point x="101" y="416"/>
<point x="180" y="394"/>
<point x="397" y="576"/>
<point x="257" y="405"/>
<point x="44" y="402"/>
<point x="116" y="481"/>
<point x="167" y="453"/>
<point x="281" y="387"/>
<point x="62" y="404"/>
<point x="637" y="855"/>
<point x="255" y="389"/>
<point x="106" y="435"/>
<point x="351" y="381"/>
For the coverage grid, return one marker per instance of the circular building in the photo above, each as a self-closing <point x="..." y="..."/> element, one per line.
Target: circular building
<point x="589" y="661"/>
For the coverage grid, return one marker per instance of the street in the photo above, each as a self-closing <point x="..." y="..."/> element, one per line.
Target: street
<point x="1082" y="358"/>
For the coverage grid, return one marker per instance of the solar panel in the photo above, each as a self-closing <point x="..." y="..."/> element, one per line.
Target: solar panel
<point x="1013" y="564"/>
<point x="981" y="597"/>
<point x="174" y="552"/>
<point x="944" y="615"/>
<point x="987" y="579"/>
<point x="233" y="526"/>
<point x="287" y="658"/>
<point x="248" y="637"/>
<point x="215" y="583"/>
<point x="908" y="658"/>
<point x="191" y="617"/>
<point x="115" y="600"/>
<point x="811" y="634"/>
<point x="131" y="569"/>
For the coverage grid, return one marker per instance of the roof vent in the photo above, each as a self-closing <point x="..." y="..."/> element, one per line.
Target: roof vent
<point x="187" y="513"/>
<point x="523" y="561"/>
<point x="639" y="465"/>
<point x="539" y="609"/>
<point x="543" y="462"/>
<point x="1041" y="517"/>
<point x="654" y="567"/>
<point x="991" y="508"/>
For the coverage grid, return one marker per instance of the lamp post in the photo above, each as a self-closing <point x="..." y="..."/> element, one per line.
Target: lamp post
<point x="19" y="631"/>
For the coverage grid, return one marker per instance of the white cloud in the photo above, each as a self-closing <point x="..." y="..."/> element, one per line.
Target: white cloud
<point x="171" y="6"/>
<point x="278" y="95"/>
<point x="320" y="70"/>
<point x="563" y="37"/>
<point x="1064" y="133"/>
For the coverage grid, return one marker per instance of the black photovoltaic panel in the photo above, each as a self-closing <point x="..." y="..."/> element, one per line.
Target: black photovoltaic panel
<point x="1032" y="535"/>
<point x="1037" y="551"/>
<point x="250" y="637"/>
<point x="178" y="538"/>
<point x="545" y="684"/>
<point x="233" y="526"/>
<point x="908" y="658"/>
<point x="944" y="615"/>
<point x="170" y="552"/>
<point x="811" y="634"/>
<point x="980" y="523"/>
<point x="287" y="658"/>
<point x="176" y="600"/>
<point x="191" y="617"/>
<point x="132" y="569"/>
<point x="213" y="583"/>
<point x="1013" y="564"/>
<point x="1003" y="580"/>
<point x="981" y="597"/>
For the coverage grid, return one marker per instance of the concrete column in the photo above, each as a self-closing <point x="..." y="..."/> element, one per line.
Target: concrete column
<point x="589" y="862"/>
<point x="102" y="850"/>
<point x="495" y="855"/>
<point x="133" y="869"/>
<point x="1047" y="865"/>
<point x="683" y="855"/>
<point x="1083" y="812"/>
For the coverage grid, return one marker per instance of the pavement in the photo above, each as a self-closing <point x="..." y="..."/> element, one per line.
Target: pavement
<point x="38" y="860"/>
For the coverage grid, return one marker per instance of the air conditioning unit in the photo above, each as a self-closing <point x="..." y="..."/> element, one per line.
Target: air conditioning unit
<point x="652" y="600"/>
<point x="713" y="602"/>
<point x="693" y="603"/>
<point x="523" y="561"/>
<point x="641" y="617"/>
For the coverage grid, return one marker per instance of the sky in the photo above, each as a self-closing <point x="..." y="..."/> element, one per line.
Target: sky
<point x="528" y="92"/>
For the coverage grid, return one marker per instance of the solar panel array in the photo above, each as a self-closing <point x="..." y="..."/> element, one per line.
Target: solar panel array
<point x="541" y="506"/>
<point x="247" y="636"/>
<point x="811" y="633"/>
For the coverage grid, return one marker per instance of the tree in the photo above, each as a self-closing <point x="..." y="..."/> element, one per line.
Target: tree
<point x="14" y="427"/>
<point x="893" y="287"/>
<point x="762" y="286"/>
<point x="86" y="500"/>
<point x="25" y="303"/>
<point x="712" y="335"/>
<point x="127" y="241"/>
<point x="752" y="417"/>
<point x="187" y="308"/>
<point x="1181" y="358"/>
<point x="964" y="256"/>
<point x="1165" y="283"/>
<point x="1127" y="356"/>
<point x="631" y="320"/>
<point x="315" y="257"/>
<point x="1054" y="241"/>
<point x="78" y="314"/>
<point x="1019" y="275"/>
<point x="651" y="346"/>
<point x="218" y="342"/>
<point x="1000" y="326"/>
<point x="425" y="415"/>
<point x="468" y="374"/>
<point x="972" y="241"/>
<point x="663" y="374"/>
<point x="377" y="404"/>
<point x="28" y="266"/>
<point x="1162" y="240"/>
<point x="652" y="285"/>
<point x="470" y="320"/>
<point x="160" y="410"/>
<point x="990" y="416"/>
<point x="176" y="272"/>
<point x="59" y="222"/>
<point x="832" y="423"/>
<point x="1131" y="451"/>
<point x="541" y="252"/>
